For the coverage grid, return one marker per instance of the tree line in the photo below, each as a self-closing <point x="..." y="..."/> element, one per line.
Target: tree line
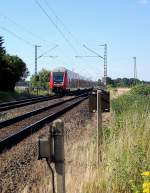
<point x="122" y="82"/>
<point x="12" y="69"/>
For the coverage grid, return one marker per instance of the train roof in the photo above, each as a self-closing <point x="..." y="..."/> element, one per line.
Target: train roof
<point x="70" y="73"/>
<point x="59" y="69"/>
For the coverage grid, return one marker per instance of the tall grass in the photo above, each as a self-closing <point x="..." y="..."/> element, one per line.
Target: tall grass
<point x="126" y="147"/>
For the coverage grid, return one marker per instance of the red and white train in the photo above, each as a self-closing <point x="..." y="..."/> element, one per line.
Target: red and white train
<point x="63" y="80"/>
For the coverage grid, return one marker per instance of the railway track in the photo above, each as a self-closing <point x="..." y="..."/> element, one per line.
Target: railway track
<point x="20" y="103"/>
<point x="2" y="104"/>
<point x="49" y="114"/>
<point x="16" y="104"/>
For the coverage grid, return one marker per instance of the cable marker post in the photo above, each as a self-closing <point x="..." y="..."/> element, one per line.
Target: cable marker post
<point x="99" y="101"/>
<point x="58" y="133"/>
<point x="51" y="147"/>
<point x="99" y="128"/>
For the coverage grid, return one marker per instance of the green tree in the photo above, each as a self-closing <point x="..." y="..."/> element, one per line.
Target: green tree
<point x="109" y="81"/>
<point x="99" y="83"/>
<point x="2" y="49"/>
<point x="12" y="70"/>
<point x="35" y="80"/>
<point x="41" y="79"/>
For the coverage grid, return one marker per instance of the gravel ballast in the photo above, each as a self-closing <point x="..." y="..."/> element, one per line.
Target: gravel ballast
<point x="17" y="166"/>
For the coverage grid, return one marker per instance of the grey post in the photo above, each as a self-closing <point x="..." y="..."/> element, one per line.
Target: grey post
<point x="58" y="132"/>
<point x="99" y="128"/>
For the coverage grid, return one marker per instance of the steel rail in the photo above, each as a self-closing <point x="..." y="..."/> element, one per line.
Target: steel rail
<point x="31" y="113"/>
<point x="4" y="108"/>
<point x="20" y="101"/>
<point x="15" y="104"/>
<point x="15" y="138"/>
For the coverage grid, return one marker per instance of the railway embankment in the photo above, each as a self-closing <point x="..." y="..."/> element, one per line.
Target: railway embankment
<point x="126" y="147"/>
<point x="125" y="151"/>
<point x="11" y="96"/>
<point x="20" y="171"/>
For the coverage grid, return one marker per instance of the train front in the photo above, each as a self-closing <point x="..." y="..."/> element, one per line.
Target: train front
<point x="58" y="81"/>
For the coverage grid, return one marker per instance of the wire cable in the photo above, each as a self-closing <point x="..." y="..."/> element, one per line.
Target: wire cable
<point x="47" y="51"/>
<point x="24" y="29"/>
<point x="53" y="177"/>
<point x="56" y="26"/>
<point x="60" y="20"/>
<point x="15" y="35"/>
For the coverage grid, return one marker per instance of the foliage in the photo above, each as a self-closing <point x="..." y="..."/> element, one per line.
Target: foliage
<point x="2" y="49"/>
<point x="145" y="188"/>
<point x="12" y="69"/>
<point x="124" y="82"/>
<point x="9" y="96"/>
<point x="99" y="82"/>
<point x="141" y="90"/>
<point x="126" y="147"/>
<point x="41" y="79"/>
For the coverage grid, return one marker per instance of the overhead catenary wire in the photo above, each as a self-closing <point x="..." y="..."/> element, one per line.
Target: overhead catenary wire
<point x="56" y="26"/>
<point x="26" y="29"/>
<point x="43" y="54"/>
<point x="60" y="20"/>
<point x="17" y="36"/>
<point x="77" y="41"/>
<point x="82" y="67"/>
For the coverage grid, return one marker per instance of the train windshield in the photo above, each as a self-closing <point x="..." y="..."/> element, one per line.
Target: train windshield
<point x="58" y="77"/>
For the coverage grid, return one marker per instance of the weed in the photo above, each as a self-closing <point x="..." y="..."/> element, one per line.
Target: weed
<point x="126" y="147"/>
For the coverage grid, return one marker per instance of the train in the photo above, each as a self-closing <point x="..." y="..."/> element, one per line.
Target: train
<point x="63" y="80"/>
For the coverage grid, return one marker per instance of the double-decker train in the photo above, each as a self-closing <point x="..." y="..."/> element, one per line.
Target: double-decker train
<point x="63" y="80"/>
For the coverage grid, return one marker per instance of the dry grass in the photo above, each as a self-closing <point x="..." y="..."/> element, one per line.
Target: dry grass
<point x="126" y="153"/>
<point x="79" y="166"/>
<point x="126" y="148"/>
<point x="116" y="92"/>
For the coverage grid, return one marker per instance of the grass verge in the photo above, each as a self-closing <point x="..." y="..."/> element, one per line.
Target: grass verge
<point x="126" y="147"/>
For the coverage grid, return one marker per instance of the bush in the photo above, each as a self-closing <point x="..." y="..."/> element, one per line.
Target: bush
<point x="141" y="90"/>
<point x="126" y="147"/>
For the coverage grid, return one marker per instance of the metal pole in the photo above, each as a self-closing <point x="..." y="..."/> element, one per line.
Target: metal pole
<point x="35" y="59"/>
<point x="105" y="64"/>
<point x="135" y="70"/>
<point x="58" y="132"/>
<point x="36" y="46"/>
<point x="99" y="128"/>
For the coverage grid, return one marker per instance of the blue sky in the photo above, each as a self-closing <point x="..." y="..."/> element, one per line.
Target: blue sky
<point x="123" y="24"/>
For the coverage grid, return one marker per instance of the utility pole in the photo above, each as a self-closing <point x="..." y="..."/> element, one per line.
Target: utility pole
<point x="105" y="64"/>
<point x="36" y="46"/>
<point x="43" y="55"/>
<point x="99" y="56"/>
<point x="135" y="69"/>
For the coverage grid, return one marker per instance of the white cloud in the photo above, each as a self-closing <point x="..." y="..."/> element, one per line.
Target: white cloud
<point x="144" y="1"/>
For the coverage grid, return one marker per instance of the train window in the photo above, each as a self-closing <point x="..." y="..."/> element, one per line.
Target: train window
<point x="58" y="77"/>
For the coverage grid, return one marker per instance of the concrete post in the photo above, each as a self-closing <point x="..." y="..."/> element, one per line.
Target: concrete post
<point x="99" y="128"/>
<point x="58" y="133"/>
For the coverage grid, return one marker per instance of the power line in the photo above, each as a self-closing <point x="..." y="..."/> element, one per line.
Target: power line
<point x="47" y="51"/>
<point x="24" y="28"/>
<point x="60" y="20"/>
<point x="97" y="55"/>
<point x="55" y="25"/>
<point x="62" y="23"/>
<point x="17" y="36"/>
<point x="83" y="68"/>
<point x="92" y="51"/>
